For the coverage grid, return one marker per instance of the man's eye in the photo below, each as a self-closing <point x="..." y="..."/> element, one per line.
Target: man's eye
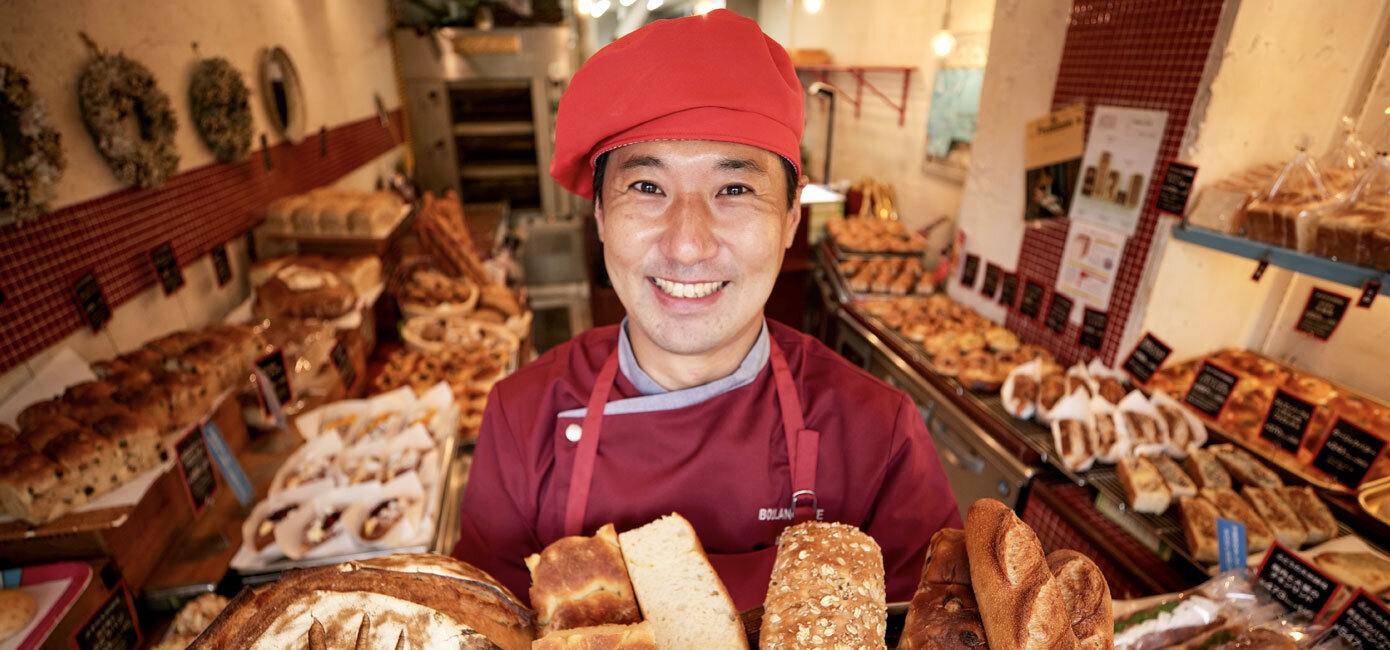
<point x="734" y="190"/>
<point x="646" y="187"/>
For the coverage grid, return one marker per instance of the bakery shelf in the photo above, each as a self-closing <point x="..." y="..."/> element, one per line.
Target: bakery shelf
<point x="856" y="99"/>
<point x="499" y="171"/>
<point x="1318" y="267"/>
<point x="490" y="129"/>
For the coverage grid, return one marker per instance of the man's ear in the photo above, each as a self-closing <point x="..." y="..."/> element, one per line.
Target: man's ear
<point x="794" y="214"/>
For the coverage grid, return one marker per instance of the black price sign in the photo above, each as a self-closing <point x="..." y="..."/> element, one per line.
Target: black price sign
<point x="1363" y="623"/>
<point x="1146" y="358"/>
<point x="273" y="365"/>
<point x="221" y="265"/>
<point x="1008" y="290"/>
<point x="196" y="467"/>
<point x="1058" y="312"/>
<point x="1296" y="584"/>
<point x="1032" y="299"/>
<point x="1093" y="327"/>
<point x="1287" y="420"/>
<point x="1323" y="313"/>
<point x="1347" y="453"/>
<point x="344" y="365"/>
<point x="1368" y="295"/>
<point x="969" y="270"/>
<point x="1177" y="185"/>
<point x="991" y="284"/>
<point x="251" y="246"/>
<point x="112" y="627"/>
<point x="91" y="301"/>
<point x="166" y="267"/>
<point x="1210" y="390"/>
<point x="1260" y="270"/>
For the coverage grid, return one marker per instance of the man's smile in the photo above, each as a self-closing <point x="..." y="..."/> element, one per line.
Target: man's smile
<point x="687" y="289"/>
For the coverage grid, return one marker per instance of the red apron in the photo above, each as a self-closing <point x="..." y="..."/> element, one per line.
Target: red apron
<point x="802" y="450"/>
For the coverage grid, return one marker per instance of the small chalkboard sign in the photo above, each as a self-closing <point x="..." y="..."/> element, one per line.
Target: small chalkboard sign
<point x="1058" y="312"/>
<point x="112" y="627"/>
<point x="166" y="267"/>
<point x="221" y="266"/>
<point x="196" y="467"/>
<point x="1368" y="294"/>
<point x="1260" y="269"/>
<point x="1177" y="185"/>
<point x="1008" y="290"/>
<point x="1093" y="324"/>
<point x="1210" y="390"/>
<point x="1295" y="583"/>
<point x="1032" y="299"/>
<point x="1322" y="313"/>
<point x="273" y="365"/>
<point x="991" y="283"/>
<point x="251" y="254"/>
<point x="1148" y="356"/>
<point x="969" y="270"/>
<point x="344" y="364"/>
<point x="1364" y="623"/>
<point x="91" y="302"/>
<point x="1287" y="421"/>
<point x="1348" y="453"/>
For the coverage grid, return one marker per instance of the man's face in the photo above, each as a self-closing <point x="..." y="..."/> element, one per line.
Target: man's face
<point x="694" y="232"/>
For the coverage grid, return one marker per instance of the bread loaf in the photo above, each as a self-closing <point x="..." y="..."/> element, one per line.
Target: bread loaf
<point x="1087" y="596"/>
<point x="947" y="561"/>
<point x="1316" y="518"/>
<point x="581" y="582"/>
<point x="601" y="637"/>
<point x="1286" y="526"/>
<point x="1021" y="604"/>
<point x="1199" y="528"/>
<point x="1257" y="534"/>
<point x="677" y="590"/>
<point x="826" y="590"/>
<point x="943" y="614"/>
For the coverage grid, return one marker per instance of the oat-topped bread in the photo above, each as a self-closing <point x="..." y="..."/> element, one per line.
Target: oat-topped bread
<point x="677" y="590"/>
<point x="581" y="582"/>
<point x="826" y="590"/>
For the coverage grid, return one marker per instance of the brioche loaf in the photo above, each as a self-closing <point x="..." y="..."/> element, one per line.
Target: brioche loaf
<point x="600" y="637"/>
<point x="826" y="590"/>
<point x="581" y="582"/>
<point x="677" y="590"/>
<point x="1021" y="604"/>
<point x="1087" y="596"/>
<point x="947" y="562"/>
<point x="943" y="614"/>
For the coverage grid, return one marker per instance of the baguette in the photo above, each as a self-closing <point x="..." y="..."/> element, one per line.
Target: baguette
<point x="1021" y="604"/>
<point x="1087" y="596"/>
<point x="1285" y="525"/>
<point x="1244" y="468"/>
<point x="1199" y="528"/>
<point x="1257" y="534"/>
<point x="1314" y="514"/>
<point x="1205" y="470"/>
<point x="1179" y="483"/>
<point x="581" y="582"/>
<point x="637" y="636"/>
<point x="826" y="590"/>
<point x="1144" y="487"/>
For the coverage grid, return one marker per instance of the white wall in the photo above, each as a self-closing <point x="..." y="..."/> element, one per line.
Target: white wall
<point x="341" y="50"/>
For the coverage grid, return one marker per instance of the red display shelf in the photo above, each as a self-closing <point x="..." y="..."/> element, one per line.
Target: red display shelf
<point x="823" y="71"/>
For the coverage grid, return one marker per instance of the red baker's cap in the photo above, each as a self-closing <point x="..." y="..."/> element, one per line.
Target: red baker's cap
<point x="710" y="77"/>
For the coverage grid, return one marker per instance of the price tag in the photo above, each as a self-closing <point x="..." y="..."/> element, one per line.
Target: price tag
<point x="251" y="246"/>
<point x="228" y="464"/>
<point x="1260" y="269"/>
<point x="1364" y="622"/>
<point x="1032" y="299"/>
<point x="1093" y="328"/>
<point x="221" y="266"/>
<point x="1368" y="294"/>
<point x="991" y="283"/>
<point x="1287" y="421"/>
<point x="1296" y="584"/>
<point x="1210" y="390"/>
<point x="1177" y="185"/>
<point x="274" y="383"/>
<point x="196" y="467"/>
<point x="91" y="302"/>
<point x="344" y="365"/>
<point x="969" y="270"/>
<point x="113" y="626"/>
<point x="1057" y="313"/>
<point x="1230" y="544"/>
<point x="1148" y="356"/>
<point x="1008" y="290"/>
<point x="1348" y="453"/>
<point x="166" y="267"/>
<point x="1323" y="313"/>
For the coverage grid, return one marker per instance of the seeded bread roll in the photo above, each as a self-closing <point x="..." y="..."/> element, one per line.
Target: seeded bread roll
<point x="1020" y="601"/>
<point x="826" y="590"/>
<point x="581" y="582"/>
<point x="33" y="487"/>
<point x="601" y="637"/>
<point x="1087" y="596"/>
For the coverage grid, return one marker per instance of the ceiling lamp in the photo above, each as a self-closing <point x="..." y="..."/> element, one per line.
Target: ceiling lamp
<point x="812" y="6"/>
<point x="706" y="6"/>
<point x="599" y="7"/>
<point x="626" y="3"/>
<point x="653" y="5"/>
<point x="944" y="41"/>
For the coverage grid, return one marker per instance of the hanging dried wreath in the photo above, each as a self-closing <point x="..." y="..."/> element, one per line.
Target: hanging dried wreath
<point x="221" y="109"/>
<point x="114" y="89"/>
<point x="31" y="151"/>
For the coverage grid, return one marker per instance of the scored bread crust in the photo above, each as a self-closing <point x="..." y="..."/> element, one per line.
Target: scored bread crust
<point x="1087" y="596"/>
<point x="1020" y="602"/>
<point x="826" y="590"/>
<point x="637" y="636"/>
<point x="581" y="582"/>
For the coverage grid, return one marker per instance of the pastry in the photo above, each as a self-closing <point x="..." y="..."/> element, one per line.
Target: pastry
<point x="637" y="636"/>
<point x="1021" y="602"/>
<point x="1359" y="570"/>
<point x="1111" y="389"/>
<point x="383" y="517"/>
<point x="1283" y="523"/>
<point x="1145" y="489"/>
<point x="1257" y="534"/>
<point x="1087" y="596"/>
<point x="1199" y="527"/>
<point x="17" y="608"/>
<point x="942" y="616"/>
<point x="1311" y="511"/>
<point x="265" y="530"/>
<point x="1205" y="470"/>
<point x="1073" y="443"/>
<point x="1244" y="468"/>
<point x="1179" y="483"/>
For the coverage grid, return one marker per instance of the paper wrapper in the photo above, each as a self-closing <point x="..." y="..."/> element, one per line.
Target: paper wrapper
<point x="436" y="410"/>
<point x="1074" y="407"/>
<point x="1100" y="408"/>
<point x="290" y="532"/>
<point x="1079" y="370"/>
<point x="1135" y="402"/>
<point x="1045" y="415"/>
<point x="247" y="556"/>
<point x="313" y="423"/>
<point x="324" y="448"/>
<point x="1194" y="424"/>
<point x="412" y="529"/>
<point x="1019" y="408"/>
<point x="1095" y="370"/>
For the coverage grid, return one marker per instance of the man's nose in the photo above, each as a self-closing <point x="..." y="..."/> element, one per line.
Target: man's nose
<point x="690" y="239"/>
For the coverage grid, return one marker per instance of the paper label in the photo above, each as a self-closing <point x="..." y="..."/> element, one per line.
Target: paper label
<point x="1032" y="299"/>
<point x="1057" y="313"/>
<point x="1093" y="324"/>
<point x="1121" y="152"/>
<point x="991" y="283"/>
<point x="196" y="468"/>
<point x="221" y="265"/>
<point x="1363" y="623"/>
<point x="969" y="270"/>
<point x="1008" y="290"/>
<point x="1177" y="186"/>
<point x="1322" y="313"/>
<point x="1348" y="453"/>
<point x="113" y="626"/>
<point x="1368" y="294"/>
<point x="1287" y="421"/>
<point x="91" y="302"/>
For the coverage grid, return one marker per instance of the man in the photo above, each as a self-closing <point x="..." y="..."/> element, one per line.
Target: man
<point x="686" y="135"/>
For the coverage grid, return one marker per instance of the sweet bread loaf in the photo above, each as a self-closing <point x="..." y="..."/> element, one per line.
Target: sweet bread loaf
<point x="943" y="614"/>
<point x="826" y="590"/>
<point x="1020" y="602"/>
<point x="637" y="636"/>
<point x="581" y="582"/>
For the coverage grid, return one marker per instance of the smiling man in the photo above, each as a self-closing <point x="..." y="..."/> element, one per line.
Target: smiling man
<point x="686" y="136"/>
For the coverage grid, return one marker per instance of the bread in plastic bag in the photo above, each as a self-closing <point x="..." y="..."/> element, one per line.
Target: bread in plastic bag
<point x="1287" y="212"/>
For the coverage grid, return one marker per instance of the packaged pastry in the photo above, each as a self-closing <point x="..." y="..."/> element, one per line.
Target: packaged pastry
<point x="390" y="516"/>
<point x="1078" y="378"/>
<point x="312" y="462"/>
<point x="1347" y="160"/>
<point x="1140" y="424"/>
<point x="1185" y="429"/>
<point x="1052" y="388"/>
<point x="258" y="530"/>
<point x="1077" y="444"/>
<point x="317" y="528"/>
<point x="1287" y="213"/>
<point x="1107" y="382"/>
<point x="1111" y="442"/>
<point x="1019" y="393"/>
<point x="1348" y="232"/>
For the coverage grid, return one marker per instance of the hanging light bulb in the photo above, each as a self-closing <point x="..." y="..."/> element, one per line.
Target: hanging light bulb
<point x="653" y="5"/>
<point x="813" y="6"/>
<point x="599" y="8"/>
<point x="583" y="6"/>
<point x="706" y="6"/>
<point x="626" y="3"/>
<point x="943" y="42"/>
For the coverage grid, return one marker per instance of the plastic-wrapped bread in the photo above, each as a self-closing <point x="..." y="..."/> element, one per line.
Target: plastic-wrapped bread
<point x="826" y="590"/>
<point x="581" y="582"/>
<point x="1021" y="602"/>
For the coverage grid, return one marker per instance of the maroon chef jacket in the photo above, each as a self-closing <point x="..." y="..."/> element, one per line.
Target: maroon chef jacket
<point x="720" y="463"/>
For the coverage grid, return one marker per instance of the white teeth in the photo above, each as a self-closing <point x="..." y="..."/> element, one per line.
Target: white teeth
<point x="684" y="290"/>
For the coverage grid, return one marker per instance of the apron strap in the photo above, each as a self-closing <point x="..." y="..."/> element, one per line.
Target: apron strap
<point x="803" y="445"/>
<point x="582" y="476"/>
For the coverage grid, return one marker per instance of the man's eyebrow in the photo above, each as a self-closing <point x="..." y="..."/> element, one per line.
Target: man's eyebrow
<point x="741" y="164"/>
<point x="636" y="162"/>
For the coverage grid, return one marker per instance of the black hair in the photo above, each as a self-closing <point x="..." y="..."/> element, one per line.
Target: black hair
<point x="788" y="169"/>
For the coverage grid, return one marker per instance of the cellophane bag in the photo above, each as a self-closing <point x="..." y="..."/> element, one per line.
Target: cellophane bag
<point x="1346" y="161"/>
<point x="1348" y="233"/>
<point x="1287" y="212"/>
